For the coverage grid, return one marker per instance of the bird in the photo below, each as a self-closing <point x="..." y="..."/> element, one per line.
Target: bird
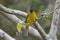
<point x="29" y="19"/>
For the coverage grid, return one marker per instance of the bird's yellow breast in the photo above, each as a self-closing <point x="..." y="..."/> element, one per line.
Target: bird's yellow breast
<point x="30" y="17"/>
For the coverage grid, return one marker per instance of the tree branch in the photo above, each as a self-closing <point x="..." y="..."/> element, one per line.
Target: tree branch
<point x="41" y="31"/>
<point x="5" y="35"/>
<point x="12" y="11"/>
<point x="54" y="25"/>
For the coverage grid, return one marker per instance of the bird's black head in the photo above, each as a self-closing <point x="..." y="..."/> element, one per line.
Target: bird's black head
<point x="31" y="9"/>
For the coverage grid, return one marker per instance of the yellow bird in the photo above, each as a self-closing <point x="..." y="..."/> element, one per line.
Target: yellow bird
<point x="29" y="19"/>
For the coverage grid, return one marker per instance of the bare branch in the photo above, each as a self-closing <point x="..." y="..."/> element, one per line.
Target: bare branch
<point x="11" y="17"/>
<point x="5" y="35"/>
<point x="41" y="31"/>
<point x="54" y="24"/>
<point x="12" y="11"/>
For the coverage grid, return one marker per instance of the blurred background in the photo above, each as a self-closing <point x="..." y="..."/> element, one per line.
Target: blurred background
<point x="40" y="6"/>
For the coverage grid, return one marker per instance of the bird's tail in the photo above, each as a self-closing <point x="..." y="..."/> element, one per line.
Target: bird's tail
<point x="26" y="30"/>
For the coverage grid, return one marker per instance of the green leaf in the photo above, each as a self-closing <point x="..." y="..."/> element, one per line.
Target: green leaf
<point x="19" y="27"/>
